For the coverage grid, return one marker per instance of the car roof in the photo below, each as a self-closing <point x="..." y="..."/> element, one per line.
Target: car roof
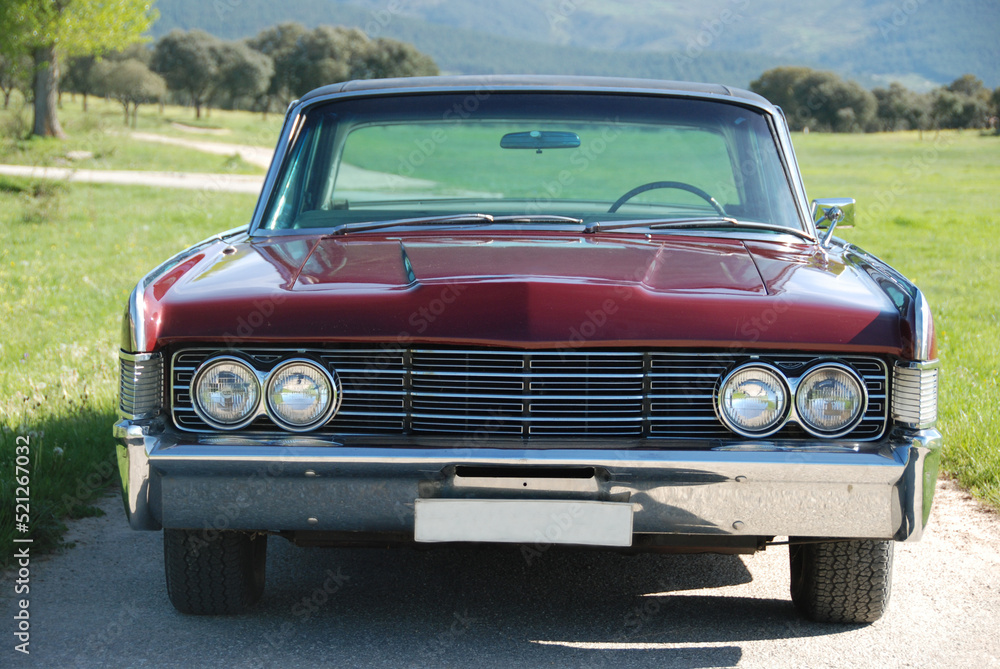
<point x="542" y="82"/>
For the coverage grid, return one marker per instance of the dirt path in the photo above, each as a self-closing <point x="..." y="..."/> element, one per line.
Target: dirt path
<point x="234" y="183"/>
<point x="103" y="603"/>
<point x="255" y="155"/>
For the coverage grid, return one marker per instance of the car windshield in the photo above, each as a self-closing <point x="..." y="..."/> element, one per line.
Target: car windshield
<point x="527" y="159"/>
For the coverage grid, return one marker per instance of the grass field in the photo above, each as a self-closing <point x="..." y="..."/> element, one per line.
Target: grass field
<point x="102" y="132"/>
<point x="931" y="208"/>
<point x="69" y="255"/>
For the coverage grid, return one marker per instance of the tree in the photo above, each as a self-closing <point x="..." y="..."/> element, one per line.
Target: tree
<point x="49" y="30"/>
<point x="278" y="43"/>
<point x="964" y="103"/>
<point x="975" y="101"/>
<point x="242" y="72"/>
<point x="817" y="100"/>
<point x="326" y="55"/>
<point x="779" y="85"/>
<point x="901" y="109"/>
<point x="390" y="58"/>
<point x="129" y="82"/>
<point x="995" y="111"/>
<point x="946" y="108"/>
<point x="188" y="62"/>
<point x="76" y="78"/>
<point x="969" y="85"/>
<point x="14" y="75"/>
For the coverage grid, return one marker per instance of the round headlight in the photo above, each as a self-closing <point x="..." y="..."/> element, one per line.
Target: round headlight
<point x="830" y="400"/>
<point x="753" y="400"/>
<point x="301" y="395"/>
<point x="226" y="393"/>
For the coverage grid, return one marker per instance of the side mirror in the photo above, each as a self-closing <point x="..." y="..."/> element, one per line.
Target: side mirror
<point x="828" y="213"/>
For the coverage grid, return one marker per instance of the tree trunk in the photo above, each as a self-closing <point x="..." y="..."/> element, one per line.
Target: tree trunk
<point x="6" y="99"/>
<point x="46" y="93"/>
<point x="84" y="101"/>
<point x="135" y="114"/>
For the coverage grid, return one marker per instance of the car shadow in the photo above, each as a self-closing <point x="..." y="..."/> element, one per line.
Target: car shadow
<point x="564" y="607"/>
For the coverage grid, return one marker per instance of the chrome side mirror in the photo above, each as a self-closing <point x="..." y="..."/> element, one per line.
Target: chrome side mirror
<point x="830" y="212"/>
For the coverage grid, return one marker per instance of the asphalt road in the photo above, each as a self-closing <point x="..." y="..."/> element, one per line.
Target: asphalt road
<point x="103" y="604"/>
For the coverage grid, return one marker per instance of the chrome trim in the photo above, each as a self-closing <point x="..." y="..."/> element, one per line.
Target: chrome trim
<point x="134" y="320"/>
<point x="289" y="129"/>
<point x="140" y="385"/>
<point x="423" y="391"/>
<point x="816" y="432"/>
<point x="915" y="394"/>
<point x="140" y="489"/>
<point x="262" y="483"/>
<point x="330" y="411"/>
<point x="792" y="416"/>
<point x="836" y="210"/>
<point x="791" y="164"/>
<point x="923" y="341"/>
<point x="788" y="399"/>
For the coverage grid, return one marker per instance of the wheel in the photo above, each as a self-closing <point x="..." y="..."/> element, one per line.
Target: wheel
<point x="679" y="185"/>
<point x="841" y="581"/>
<point x="212" y="573"/>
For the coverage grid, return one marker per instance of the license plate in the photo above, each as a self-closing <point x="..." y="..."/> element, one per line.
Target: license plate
<point x="524" y="521"/>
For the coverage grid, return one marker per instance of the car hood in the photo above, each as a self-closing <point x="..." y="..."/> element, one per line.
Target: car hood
<point x="540" y="290"/>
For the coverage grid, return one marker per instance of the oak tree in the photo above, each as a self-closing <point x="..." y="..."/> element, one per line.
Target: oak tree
<point x="50" y="30"/>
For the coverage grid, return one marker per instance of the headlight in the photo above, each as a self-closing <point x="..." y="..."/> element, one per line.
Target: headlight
<point x="753" y="400"/>
<point x="830" y="400"/>
<point x="226" y="393"/>
<point x="301" y="395"/>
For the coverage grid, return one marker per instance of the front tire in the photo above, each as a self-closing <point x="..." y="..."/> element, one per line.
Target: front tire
<point x="213" y="573"/>
<point x="841" y="581"/>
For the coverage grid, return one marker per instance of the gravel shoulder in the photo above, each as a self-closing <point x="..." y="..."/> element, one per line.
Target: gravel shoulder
<point x="103" y="603"/>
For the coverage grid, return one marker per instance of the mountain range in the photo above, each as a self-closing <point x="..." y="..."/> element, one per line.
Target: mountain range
<point x="920" y="43"/>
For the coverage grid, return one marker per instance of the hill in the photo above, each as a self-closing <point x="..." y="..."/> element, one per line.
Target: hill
<point x="918" y="42"/>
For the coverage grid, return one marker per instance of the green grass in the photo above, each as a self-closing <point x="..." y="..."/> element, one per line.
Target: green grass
<point x="929" y="208"/>
<point x="70" y="254"/>
<point x="64" y="279"/>
<point x="102" y="132"/>
<point x="233" y="127"/>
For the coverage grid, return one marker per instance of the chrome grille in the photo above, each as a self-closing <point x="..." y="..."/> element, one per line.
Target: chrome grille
<point x="526" y="394"/>
<point x="140" y="387"/>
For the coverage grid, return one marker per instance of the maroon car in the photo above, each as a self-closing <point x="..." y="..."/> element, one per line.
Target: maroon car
<point x="532" y="310"/>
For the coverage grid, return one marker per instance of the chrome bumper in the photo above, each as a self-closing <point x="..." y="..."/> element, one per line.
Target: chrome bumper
<point x="882" y="490"/>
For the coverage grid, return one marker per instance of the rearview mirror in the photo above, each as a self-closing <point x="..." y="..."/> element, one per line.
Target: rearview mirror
<point x="540" y="139"/>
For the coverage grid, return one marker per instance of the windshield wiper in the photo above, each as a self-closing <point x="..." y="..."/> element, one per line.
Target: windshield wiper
<point x="451" y="219"/>
<point x="703" y="222"/>
<point x="344" y="228"/>
<point x="537" y="218"/>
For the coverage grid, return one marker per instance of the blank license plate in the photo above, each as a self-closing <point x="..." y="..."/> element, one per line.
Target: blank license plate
<point x="524" y="521"/>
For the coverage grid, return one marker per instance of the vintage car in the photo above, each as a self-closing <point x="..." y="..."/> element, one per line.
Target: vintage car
<point x="531" y="310"/>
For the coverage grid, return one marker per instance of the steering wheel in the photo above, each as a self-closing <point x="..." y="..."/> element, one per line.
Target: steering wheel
<point x="679" y="185"/>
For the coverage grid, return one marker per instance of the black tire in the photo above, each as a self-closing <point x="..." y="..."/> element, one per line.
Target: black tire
<point x="841" y="581"/>
<point x="213" y="573"/>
